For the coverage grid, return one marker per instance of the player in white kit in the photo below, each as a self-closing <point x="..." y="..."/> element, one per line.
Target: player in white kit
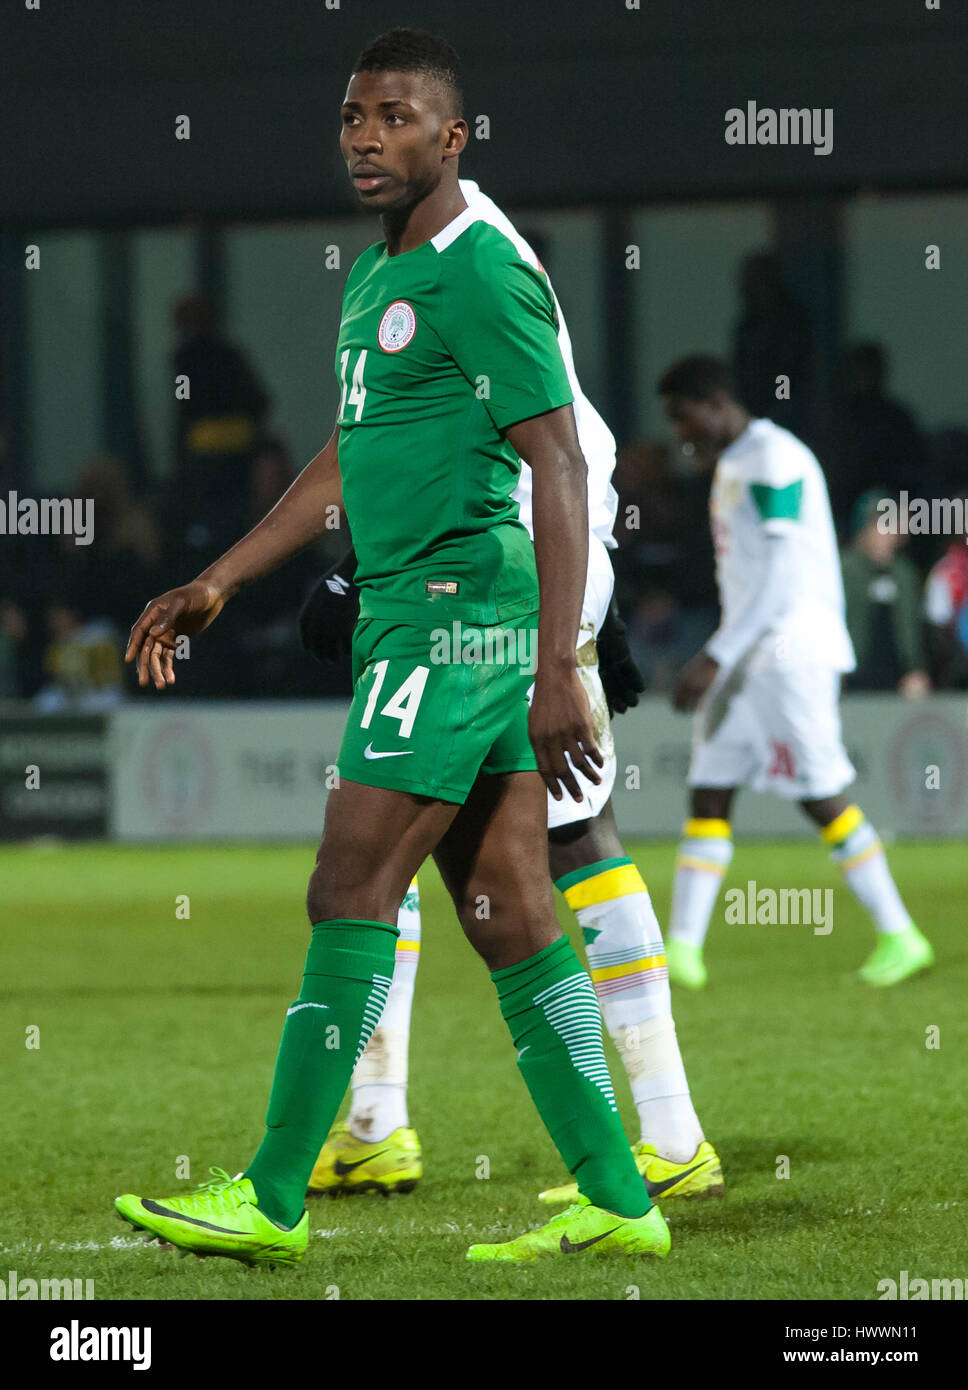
<point x="376" y="1148"/>
<point x="766" y="685"/>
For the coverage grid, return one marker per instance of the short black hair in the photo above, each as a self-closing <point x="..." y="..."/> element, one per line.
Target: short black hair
<point x="416" y="50"/>
<point x="697" y="377"/>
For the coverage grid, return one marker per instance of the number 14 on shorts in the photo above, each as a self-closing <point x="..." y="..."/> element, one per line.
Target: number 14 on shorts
<point x="403" y="704"/>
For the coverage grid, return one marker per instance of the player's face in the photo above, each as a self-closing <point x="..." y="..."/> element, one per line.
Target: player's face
<point x="394" y="136"/>
<point x="698" y="423"/>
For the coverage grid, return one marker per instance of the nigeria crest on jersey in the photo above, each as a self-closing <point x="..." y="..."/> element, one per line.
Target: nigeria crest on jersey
<point x="397" y="326"/>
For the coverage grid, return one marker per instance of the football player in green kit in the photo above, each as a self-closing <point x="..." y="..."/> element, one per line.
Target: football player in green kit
<point x="450" y="372"/>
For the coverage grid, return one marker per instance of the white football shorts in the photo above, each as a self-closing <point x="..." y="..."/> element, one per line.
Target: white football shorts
<point x="598" y="595"/>
<point x="773" y="728"/>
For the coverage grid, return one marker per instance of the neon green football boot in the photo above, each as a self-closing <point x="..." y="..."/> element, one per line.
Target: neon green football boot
<point x="896" y="956"/>
<point x="347" y="1164"/>
<point x="221" y="1217"/>
<point x="701" y="1176"/>
<point x="685" y="963"/>
<point x="580" y="1228"/>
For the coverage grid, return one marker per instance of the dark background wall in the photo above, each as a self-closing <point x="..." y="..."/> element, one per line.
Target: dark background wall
<point x="606" y="128"/>
<point x="587" y="101"/>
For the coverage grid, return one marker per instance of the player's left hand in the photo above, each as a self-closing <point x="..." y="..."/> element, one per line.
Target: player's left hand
<point x="560" y="722"/>
<point x="695" y="678"/>
<point x="182" y="612"/>
<point x="621" y="678"/>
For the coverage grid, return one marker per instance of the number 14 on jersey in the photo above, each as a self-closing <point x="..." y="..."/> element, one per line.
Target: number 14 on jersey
<point x="357" y="390"/>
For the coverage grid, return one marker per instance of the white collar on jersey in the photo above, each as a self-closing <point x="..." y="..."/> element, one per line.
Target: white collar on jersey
<point x="449" y="234"/>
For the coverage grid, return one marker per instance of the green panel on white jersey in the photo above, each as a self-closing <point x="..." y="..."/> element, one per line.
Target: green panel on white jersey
<point x="778" y="503"/>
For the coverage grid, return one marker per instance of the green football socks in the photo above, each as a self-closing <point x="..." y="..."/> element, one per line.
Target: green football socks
<point x="349" y="967"/>
<point x="550" y="1006"/>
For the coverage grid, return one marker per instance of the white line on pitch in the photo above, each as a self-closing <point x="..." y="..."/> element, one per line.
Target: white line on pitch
<point x="77" y="1247"/>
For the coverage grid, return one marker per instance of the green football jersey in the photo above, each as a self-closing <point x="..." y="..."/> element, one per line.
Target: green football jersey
<point x="441" y="349"/>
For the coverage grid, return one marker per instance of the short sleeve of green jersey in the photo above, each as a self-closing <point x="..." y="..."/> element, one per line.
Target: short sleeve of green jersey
<point x="778" y="503"/>
<point x="500" y="326"/>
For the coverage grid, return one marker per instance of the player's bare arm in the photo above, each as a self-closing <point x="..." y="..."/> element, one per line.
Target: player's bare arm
<point x="733" y="640"/>
<point x="297" y="519"/>
<point x="695" y="678"/>
<point x="560" y="718"/>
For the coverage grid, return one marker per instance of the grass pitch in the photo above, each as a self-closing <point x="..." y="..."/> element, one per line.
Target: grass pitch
<point x="157" y="1037"/>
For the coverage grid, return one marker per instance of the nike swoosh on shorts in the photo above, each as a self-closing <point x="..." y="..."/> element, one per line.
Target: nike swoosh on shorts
<point x="369" y="753"/>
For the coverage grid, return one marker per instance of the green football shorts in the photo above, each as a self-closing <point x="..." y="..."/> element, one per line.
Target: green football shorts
<point x="436" y="704"/>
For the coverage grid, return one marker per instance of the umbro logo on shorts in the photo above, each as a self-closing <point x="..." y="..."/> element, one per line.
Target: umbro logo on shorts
<point x="369" y="753"/>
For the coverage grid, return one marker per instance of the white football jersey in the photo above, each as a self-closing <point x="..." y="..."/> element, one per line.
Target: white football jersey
<point x="594" y="436"/>
<point x="769" y="482"/>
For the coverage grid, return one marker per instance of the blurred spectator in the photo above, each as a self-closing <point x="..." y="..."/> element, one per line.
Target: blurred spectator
<point x="646" y="525"/>
<point x="123" y="562"/>
<point x="694" y="566"/>
<point x="874" y="440"/>
<point x="29" y="569"/>
<point x="274" y="661"/>
<point x="218" y="430"/>
<point x="122" y="525"/>
<point x="946" y="612"/>
<point x="883" y="594"/>
<point x="772" y="337"/>
<point x="655" y="630"/>
<point x="949" y="460"/>
<point x="82" y="663"/>
<point x="664" y="566"/>
<point x="106" y="582"/>
<point x="270" y="474"/>
<point x="114" y="576"/>
<point x="13" y="632"/>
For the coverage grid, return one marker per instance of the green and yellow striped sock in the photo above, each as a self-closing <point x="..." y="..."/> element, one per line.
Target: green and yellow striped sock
<point x="856" y="847"/>
<point x="627" y="962"/>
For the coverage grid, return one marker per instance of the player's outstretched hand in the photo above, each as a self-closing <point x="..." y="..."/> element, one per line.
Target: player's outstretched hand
<point x="179" y="613"/>
<point x="560" y="722"/>
<point x="695" y="678"/>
